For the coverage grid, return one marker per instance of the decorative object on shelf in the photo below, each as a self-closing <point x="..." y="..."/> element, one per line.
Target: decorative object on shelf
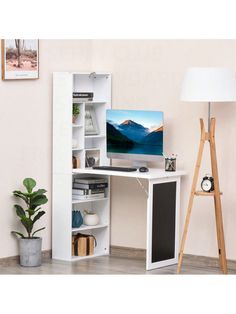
<point x="92" y="158"/>
<point x="91" y="127"/>
<point x="75" y="162"/>
<point x="79" y="242"/>
<point x="20" y="59"/>
<point x="76" y="112"/>
<point x="90" y="218"/>
<point x="170" y="163"/>
<point x="73" y="245"/>
<point x="91" y="243"/>
<point x="77" y="219"/>
<point x="83" y="96"/>
<point x="83" y="244"/>
<point x="30" y="245"/>
<point x="208" y="85"/>
<point x="207" y="183"/>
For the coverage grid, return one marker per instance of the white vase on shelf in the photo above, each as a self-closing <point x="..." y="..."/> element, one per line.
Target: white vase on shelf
<point x="91" y="219"/>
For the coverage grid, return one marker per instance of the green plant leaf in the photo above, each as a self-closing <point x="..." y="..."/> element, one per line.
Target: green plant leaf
<point x="39" y="215"/>
<point x="27" y="223"/>
<point x="21" y="195"/>
<point x="37" y="197"/>
<point x="41" y="191"/>
<point x="76" y="109"/>
<point x="38" y="200"/>
<point x="38" y="192"/>
<point x="37" y="231"/>
<point x="18" y="233"/>
<point x="19" y="210"/>
<point x="29" y="183"/>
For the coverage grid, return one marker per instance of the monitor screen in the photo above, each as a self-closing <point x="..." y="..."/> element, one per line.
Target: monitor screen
<point x="134" y="132"/>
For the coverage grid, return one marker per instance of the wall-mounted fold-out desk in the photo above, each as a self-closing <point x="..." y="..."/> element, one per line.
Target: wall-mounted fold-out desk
<point x="163" y="192"/>
<point x="163" y="202"/>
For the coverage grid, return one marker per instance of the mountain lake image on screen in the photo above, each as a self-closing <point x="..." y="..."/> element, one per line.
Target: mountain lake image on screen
<point x="134" y="132"/>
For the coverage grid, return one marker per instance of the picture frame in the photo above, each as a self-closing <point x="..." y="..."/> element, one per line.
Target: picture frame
<point x="20" y="59"/>
<point x="92" y="158"/>
<point x="91" y="127"/>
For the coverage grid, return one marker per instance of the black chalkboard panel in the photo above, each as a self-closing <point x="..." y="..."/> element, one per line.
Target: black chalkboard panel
<point x="163" y="221"/>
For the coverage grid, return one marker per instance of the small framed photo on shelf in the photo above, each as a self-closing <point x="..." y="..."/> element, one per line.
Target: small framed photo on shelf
<point x="91" y="127"/>
<point x="20" y="59"/>
<point x="92" y="158"/>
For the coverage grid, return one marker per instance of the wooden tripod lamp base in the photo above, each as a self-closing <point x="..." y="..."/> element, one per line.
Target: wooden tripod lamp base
<point x="207" y="137"/>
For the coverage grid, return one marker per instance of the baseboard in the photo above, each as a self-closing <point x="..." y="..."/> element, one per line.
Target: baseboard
<point x="127" y="252"/>
<point x="46" y="254"/>
<point x="205" y="261"/>
<point x="202" y="261"/>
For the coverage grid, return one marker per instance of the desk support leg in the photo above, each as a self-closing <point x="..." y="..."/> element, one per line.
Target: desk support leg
<point x="161" y="223"/>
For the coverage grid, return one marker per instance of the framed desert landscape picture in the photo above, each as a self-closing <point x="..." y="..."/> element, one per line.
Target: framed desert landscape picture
<point x="20" y="59"/>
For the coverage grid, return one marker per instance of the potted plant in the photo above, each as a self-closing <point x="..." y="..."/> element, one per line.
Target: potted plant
<point x="76" y="112"/>
<point x="30" y="245"/>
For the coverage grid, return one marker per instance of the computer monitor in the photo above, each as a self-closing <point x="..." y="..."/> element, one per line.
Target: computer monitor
<point x="135" y="135"/>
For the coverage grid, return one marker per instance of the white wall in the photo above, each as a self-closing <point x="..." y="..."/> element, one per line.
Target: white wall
<point x="147" y="74"/>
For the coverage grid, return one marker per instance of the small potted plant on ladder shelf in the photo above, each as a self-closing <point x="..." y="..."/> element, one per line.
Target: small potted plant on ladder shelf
<point x="30" y="246"/>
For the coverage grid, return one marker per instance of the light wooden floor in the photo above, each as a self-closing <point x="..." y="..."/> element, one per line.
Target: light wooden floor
<point x="117" y="265"/>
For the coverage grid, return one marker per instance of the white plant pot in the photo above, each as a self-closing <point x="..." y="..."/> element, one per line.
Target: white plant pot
<point x="91" y="219"/>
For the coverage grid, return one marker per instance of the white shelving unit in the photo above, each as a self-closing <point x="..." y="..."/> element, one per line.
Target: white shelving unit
<point x="64" y="84"/>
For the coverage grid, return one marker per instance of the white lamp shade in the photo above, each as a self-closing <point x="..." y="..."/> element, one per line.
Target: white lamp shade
<point x="209" y="85"/>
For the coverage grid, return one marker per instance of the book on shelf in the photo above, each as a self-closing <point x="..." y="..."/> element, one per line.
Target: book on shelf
<point x="87" y="197"/>
<point x="90" y="186"/>
<point x="90" y="183"/>
<point x="87" y="191"/>
<point x="83" y="96"/>
<point x="90" y="180"/>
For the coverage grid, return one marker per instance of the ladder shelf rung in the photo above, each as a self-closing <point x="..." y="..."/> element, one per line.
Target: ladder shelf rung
<point x="202" y="193"/>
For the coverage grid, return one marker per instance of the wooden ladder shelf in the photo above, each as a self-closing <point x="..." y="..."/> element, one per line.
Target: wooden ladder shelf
<point x="207" y="137"/>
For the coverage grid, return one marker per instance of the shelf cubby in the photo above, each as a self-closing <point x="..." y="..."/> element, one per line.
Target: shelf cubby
<point x="102" y="240"/>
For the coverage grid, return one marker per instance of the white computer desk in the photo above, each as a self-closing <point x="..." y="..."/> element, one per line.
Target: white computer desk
<point x="163" y="202"/>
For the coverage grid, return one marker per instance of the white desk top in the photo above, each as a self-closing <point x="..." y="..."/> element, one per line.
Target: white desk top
<point x="153" y="173"/>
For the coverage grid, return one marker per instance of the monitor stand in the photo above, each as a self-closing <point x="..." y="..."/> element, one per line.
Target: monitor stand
<point x="138" y="164"/>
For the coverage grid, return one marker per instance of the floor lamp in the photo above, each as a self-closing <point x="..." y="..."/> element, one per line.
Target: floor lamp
<point x="208" y="85"/>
